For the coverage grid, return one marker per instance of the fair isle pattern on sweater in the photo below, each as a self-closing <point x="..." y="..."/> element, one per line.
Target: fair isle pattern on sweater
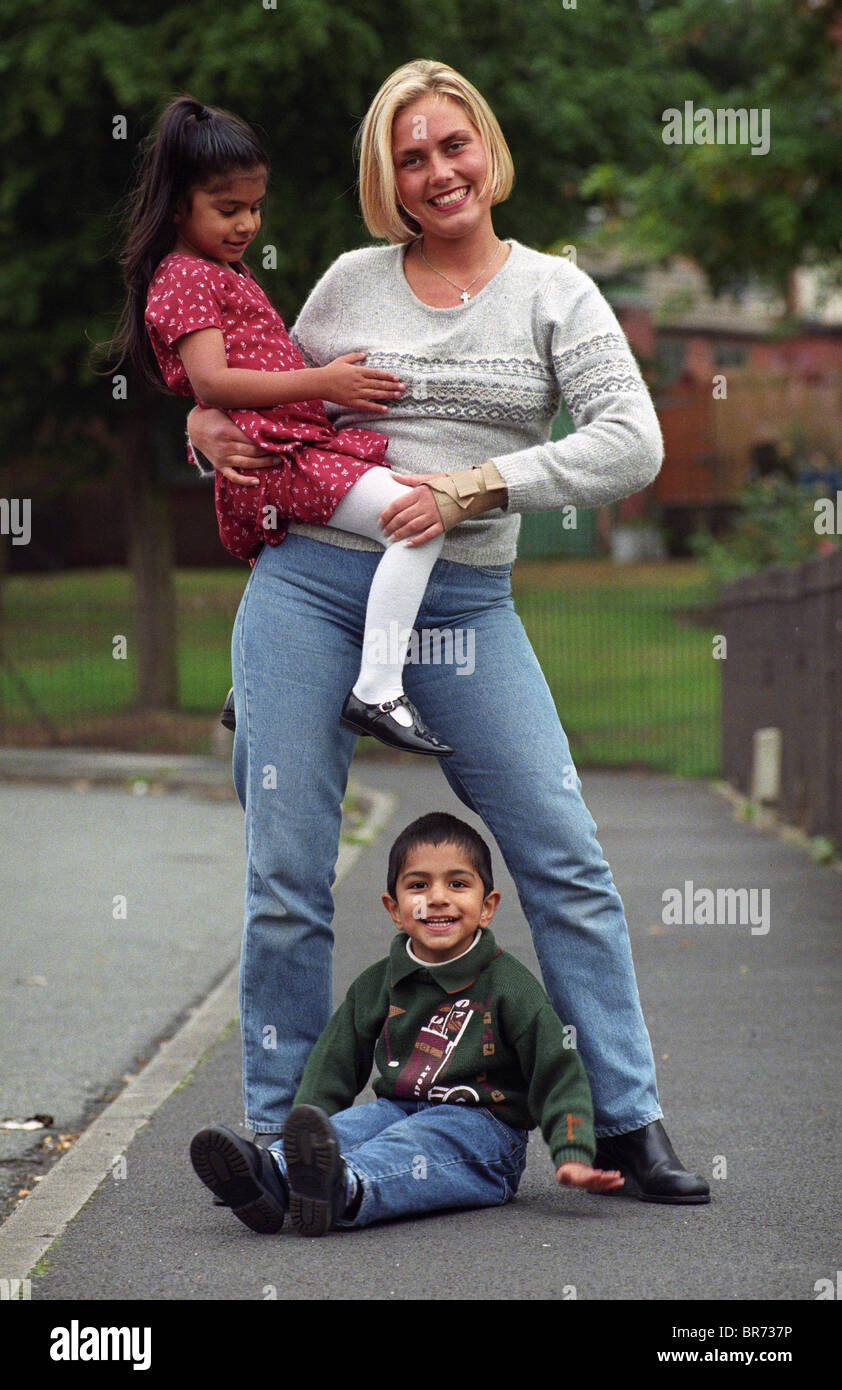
<point x="482" y="388"/>
<point x="600" y="366"/>
<point x="484" y="381"/>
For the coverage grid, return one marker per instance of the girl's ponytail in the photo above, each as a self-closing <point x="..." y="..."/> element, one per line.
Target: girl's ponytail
<point x="190" y="145"/>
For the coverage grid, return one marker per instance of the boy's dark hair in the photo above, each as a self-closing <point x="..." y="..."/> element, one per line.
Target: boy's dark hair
<point x="439" y="828"/>
<point x="192" y="145"/>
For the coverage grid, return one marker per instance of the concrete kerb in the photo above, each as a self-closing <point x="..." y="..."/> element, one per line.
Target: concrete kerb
<point x="41" y="1217"/>
<point x="765" y="821"/>
<point x="93" y="767"/>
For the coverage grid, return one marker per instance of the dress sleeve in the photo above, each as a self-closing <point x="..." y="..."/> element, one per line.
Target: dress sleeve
<point x="184" y="300"/>
<point x="617" y="447"/>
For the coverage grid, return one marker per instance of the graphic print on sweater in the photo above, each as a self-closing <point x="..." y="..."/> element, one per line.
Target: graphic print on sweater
<point x="431" y="1055"/>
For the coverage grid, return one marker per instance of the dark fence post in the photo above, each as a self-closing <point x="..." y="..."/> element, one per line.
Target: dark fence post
<point x="784" y="669"/>
<point x="822" y="692"/>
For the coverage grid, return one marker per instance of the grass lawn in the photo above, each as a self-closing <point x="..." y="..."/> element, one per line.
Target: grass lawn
<point x="634" y="682"/>
<point x="630" y="668"/>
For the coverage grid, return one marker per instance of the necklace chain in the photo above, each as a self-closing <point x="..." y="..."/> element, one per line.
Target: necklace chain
<point x="463" y="289"/>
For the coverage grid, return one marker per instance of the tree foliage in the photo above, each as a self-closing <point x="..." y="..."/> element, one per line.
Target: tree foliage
<point x="304" y="73"/>
<point x="741" y="215"/>
<point x="579" y="92"/>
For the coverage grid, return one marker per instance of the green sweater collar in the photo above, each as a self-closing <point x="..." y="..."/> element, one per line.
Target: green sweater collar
<point x="454" y="975"/>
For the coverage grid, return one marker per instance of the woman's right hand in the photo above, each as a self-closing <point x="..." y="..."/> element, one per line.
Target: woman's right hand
<point x="225" y="446"/>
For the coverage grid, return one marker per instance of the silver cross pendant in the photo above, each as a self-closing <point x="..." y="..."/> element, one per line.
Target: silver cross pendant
<point x="464" y="296"/>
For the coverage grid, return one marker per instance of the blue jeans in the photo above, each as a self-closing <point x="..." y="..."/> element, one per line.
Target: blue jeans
<point x="412" y="1157"/>
<point x="295" y="654"/>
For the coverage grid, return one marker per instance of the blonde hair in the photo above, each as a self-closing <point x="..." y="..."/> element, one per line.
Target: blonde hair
<point x="383" y="214"/>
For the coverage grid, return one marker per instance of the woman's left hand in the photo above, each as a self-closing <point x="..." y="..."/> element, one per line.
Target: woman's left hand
<point x="415" y="516"/>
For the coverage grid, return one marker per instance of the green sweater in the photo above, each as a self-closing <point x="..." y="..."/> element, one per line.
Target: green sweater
<point x="478" y="1030"/>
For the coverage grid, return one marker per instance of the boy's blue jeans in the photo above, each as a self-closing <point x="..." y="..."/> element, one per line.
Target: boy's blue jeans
<point x="295" y="655"/>
<point x="413" y="1157"/>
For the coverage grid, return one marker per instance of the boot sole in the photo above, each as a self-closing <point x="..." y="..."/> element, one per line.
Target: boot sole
<point x="632" y="1188"/>
<point x="223" y="1168"/>
<point x="313" y="1165"/>
<point x="364" y="732"/>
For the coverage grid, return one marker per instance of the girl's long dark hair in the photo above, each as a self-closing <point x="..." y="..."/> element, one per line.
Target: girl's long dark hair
<point x="190" y="145"/>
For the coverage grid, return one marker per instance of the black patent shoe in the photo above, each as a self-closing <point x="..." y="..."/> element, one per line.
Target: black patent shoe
<point x="315" y="1171"/>
<point x="227" y="718"/>
<point x="376" y="721"/>
<point x="241" y="1176"/>
<point x="646" y="1158"/>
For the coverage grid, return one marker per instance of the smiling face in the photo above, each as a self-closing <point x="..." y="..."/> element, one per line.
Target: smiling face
<point x="440" y="902"/>
<point x="440" y="167"/>
<point x="223" y="218"/>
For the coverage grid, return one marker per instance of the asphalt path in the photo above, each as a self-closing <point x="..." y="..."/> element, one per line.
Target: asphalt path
<point x="745" y="1028"/>
<point x="120" y="911"/>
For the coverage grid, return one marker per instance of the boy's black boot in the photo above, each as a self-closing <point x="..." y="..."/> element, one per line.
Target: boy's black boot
<point x="241" y="1176"/>
<point x="315" y="1171"/>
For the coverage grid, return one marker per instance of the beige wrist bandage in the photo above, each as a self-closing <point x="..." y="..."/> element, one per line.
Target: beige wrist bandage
<point x="460" y="496"/>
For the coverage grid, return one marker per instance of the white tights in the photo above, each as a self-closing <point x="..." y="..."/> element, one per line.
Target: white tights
<point x="396" y="590"/>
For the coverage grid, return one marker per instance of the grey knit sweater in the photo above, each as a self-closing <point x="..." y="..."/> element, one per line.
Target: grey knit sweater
<point x="484" y="381"/>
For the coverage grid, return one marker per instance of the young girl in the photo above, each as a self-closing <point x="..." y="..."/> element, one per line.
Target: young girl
<point x="195" y="315"/>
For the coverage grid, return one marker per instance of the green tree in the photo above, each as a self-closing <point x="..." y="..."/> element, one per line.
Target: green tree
<point x="579" y="90"/>
<point x="82" y="85"/>
<point x="740" y="215"/>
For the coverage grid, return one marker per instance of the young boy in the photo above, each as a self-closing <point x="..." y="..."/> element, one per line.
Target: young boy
<point x="470" y="1056"/>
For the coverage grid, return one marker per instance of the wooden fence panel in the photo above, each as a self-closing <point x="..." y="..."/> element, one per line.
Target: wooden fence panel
<point x="784" y="669"/>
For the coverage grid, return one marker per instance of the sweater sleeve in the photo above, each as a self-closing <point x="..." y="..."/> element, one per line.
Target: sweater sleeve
<point x="340" y="1064"/>
<point x="617" y="447"/>
<point x="314" y="331"/>
<point x="559" y="1094"/>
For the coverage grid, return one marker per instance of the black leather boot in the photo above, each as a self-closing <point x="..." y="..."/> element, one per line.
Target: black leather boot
<point x="646" y="1157"/>
<point x="241" y="1176"/>
<point x="315" y="1171"/>
<point x="261" y="1140"/>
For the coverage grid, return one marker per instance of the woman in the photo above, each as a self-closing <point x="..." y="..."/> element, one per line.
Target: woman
<point x="488" y="336"/>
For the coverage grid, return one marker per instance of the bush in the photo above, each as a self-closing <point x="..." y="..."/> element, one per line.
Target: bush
<point x="774" y="526"/>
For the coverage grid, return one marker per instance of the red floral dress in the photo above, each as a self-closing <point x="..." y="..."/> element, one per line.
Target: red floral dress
<point x="316" y="464"/>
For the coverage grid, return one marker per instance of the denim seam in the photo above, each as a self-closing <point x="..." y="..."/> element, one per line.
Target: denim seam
<point x="602" y="1132"/>
<point x="514" y="1140"/>
<point x="510" y="1177"/>
<point x="245" y="973"/>
<point x="437" y="1164"/>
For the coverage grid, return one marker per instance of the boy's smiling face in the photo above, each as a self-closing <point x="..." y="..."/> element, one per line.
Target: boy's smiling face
<point x="440" y="902"/>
